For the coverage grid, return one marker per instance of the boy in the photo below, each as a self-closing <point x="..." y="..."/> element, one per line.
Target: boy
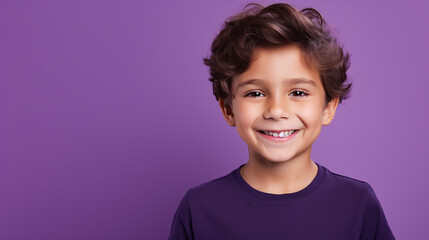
<point x="279" y="76"/>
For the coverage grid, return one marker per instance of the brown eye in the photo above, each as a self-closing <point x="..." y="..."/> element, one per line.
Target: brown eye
<point x="298" y="94"/>
<point x="254" y="94"/>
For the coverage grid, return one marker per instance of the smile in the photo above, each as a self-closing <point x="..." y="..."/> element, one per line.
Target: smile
<point x="280" y="134"/>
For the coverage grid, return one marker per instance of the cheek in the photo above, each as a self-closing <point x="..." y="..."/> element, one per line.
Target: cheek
<point x="311" y="115"/>
<point x="246" y="112"/>
<point x="245" y="116"/>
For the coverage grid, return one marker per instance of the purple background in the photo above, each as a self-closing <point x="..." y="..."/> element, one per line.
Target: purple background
<point x="107" y="114"/>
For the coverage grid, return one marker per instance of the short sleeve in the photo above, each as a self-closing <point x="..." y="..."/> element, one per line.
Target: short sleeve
<point x="181" y="228"/>
<point x="374" y="222"/>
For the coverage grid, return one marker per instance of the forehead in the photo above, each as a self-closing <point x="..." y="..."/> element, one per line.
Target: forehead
<point x="280" y="65"/>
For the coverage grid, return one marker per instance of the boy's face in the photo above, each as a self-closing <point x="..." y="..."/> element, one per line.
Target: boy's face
<point x="279" y="93"/>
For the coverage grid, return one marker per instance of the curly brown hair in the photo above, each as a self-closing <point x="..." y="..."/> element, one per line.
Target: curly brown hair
<point x="277" y="25"/>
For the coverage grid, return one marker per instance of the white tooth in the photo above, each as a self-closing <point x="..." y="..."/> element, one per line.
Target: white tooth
<point x="290" y="132"/>
<point x="271" y="133"/>
<point x="281" y="134"/>
<point x="275" y="135"/>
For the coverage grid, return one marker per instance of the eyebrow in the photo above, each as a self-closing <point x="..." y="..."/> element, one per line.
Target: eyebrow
<point x="291" y="81"/>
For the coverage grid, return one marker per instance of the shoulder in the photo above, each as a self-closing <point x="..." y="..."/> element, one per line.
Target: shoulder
<point x="360" y="194"/>
<point x="213" y="189"/>
<point x="193" y="205"/>
<point x="347" y="191"/>
<point x="347" y="184"/>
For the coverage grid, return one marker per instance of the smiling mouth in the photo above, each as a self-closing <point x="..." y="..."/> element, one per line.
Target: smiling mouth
<point x="280" y="134"/>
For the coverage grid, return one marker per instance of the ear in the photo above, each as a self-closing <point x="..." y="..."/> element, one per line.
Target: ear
<point x="227" y="113"/>
<point x="329" y="111"/>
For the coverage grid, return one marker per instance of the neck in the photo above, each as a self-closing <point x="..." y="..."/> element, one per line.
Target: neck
<point x="279" y="177"/>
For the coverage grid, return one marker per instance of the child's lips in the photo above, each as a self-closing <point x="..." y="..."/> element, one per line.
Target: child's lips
<point x="278" y="136"/>
<point x="278" y="131"/>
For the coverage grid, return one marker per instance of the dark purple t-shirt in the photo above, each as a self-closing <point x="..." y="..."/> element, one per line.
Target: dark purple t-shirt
<point x="331" y="207"/>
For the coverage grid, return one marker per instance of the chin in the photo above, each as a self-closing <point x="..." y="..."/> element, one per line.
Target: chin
<point x="277" y="159"/>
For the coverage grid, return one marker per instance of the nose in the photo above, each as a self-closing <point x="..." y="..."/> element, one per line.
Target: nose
<point x="277" y="108"/>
